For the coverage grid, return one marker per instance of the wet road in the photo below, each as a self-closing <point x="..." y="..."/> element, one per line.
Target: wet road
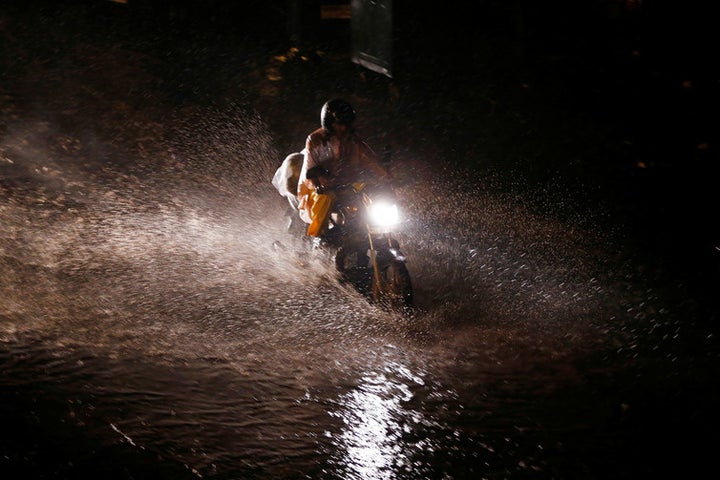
<point x="147" y="321"/>
<point x="148" y="329"/>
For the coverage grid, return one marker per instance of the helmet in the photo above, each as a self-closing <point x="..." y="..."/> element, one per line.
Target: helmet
<point x="336" y="111"/>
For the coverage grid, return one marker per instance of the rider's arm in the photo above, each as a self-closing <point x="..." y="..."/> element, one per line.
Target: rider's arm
<point x="372" y="165"/>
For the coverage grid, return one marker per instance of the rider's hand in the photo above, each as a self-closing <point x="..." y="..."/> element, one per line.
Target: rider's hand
<point x="323" y="184"/>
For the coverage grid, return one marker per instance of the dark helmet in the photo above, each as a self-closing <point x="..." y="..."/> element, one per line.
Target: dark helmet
<point x="336" y="111"/>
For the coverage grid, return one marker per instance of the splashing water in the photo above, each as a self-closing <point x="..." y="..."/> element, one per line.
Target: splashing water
<point x="146" y="294"/>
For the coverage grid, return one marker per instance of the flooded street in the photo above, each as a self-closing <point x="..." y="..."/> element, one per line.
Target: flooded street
<point x="148" y="328"/>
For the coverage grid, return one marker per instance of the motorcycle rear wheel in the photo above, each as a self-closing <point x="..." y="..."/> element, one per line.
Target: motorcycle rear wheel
<point x="393" y="289"/>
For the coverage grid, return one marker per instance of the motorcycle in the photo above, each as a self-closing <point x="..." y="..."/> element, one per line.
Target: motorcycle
<point x="360" y="231"/>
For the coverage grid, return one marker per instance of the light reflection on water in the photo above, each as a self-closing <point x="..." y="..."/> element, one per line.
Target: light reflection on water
<point x="375" y="419"/>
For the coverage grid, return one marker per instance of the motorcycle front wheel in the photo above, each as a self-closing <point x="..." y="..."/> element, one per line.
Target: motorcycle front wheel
<point x="392" y="288"/>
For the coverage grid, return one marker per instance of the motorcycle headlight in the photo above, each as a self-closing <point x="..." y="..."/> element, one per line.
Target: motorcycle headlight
<point x="384" y="214"/>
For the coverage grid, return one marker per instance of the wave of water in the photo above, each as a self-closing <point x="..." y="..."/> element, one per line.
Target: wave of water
<point x="144" y="308"/>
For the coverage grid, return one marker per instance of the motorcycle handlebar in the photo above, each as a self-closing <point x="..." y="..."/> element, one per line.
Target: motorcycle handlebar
<point x="372" y="190"/>
<point x="316" y="174"/>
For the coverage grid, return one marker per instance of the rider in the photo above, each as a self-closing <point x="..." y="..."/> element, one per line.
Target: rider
<point x="341" y="157"/>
